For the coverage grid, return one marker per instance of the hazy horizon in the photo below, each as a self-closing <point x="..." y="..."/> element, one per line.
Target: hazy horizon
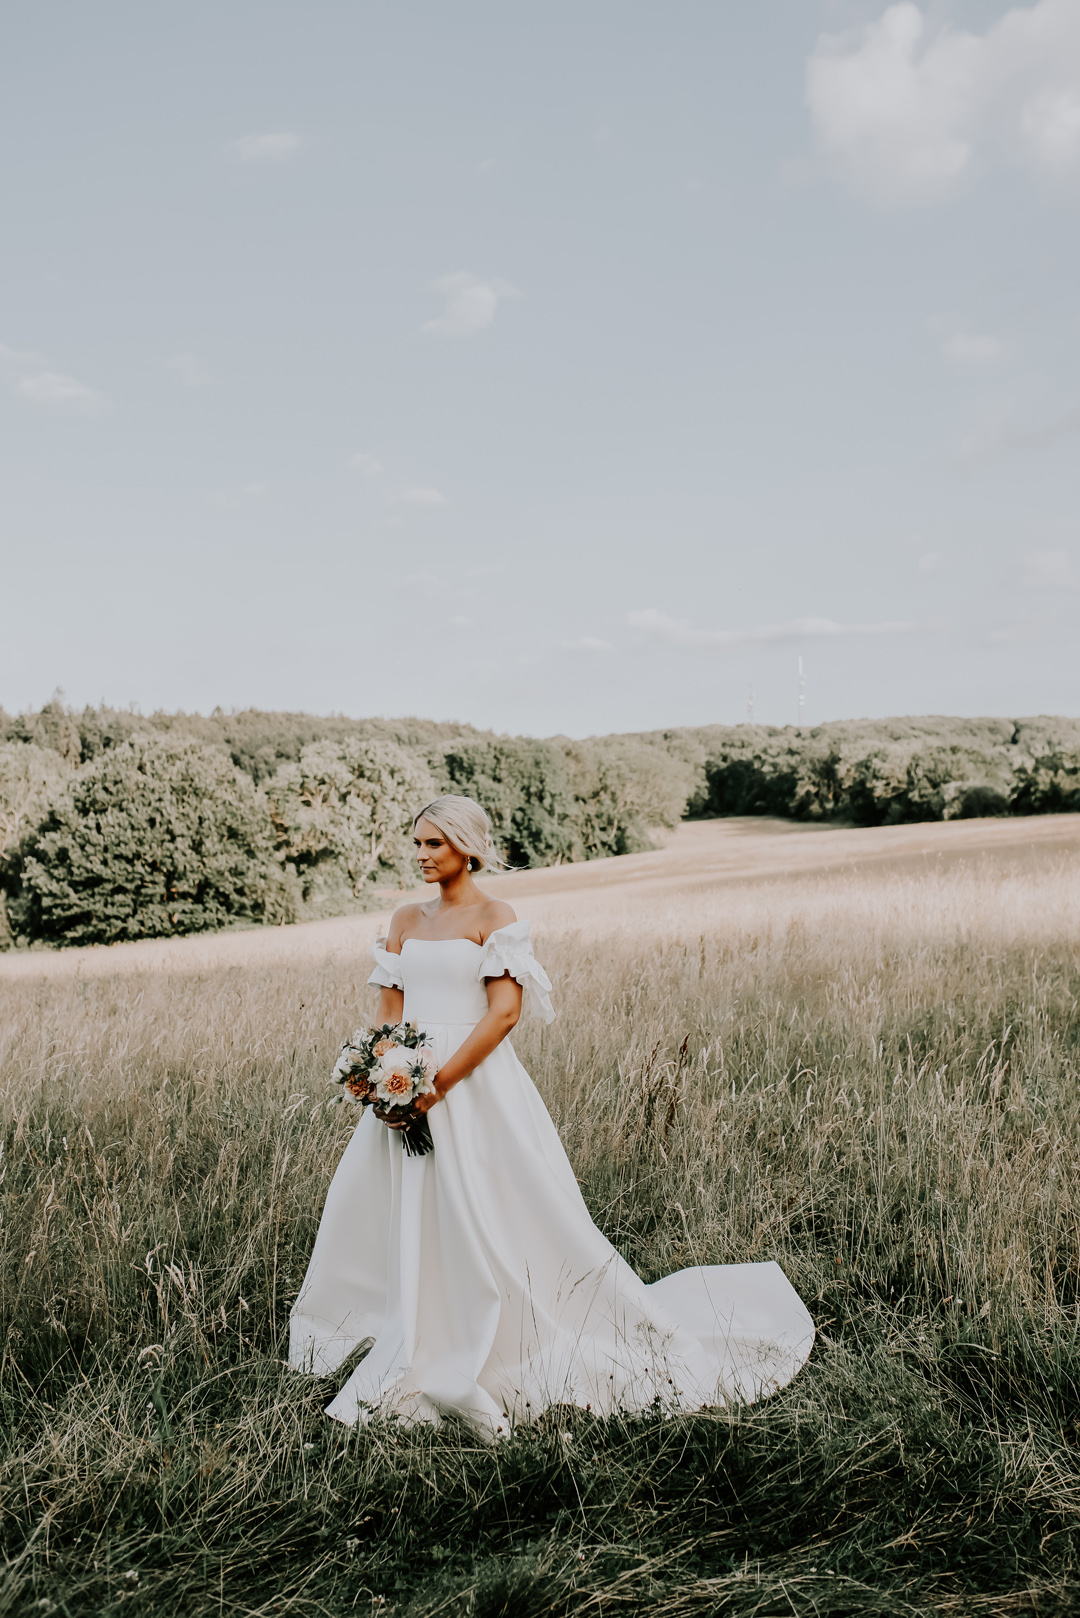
<point x="456" y="719"/>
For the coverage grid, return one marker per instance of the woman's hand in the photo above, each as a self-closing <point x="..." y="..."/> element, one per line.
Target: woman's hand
<point x="401" y="1117"/>
<point x="392" y="1117"/>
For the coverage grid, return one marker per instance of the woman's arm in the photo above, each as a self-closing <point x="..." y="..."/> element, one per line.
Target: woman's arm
<point x="504" y="1010"/>
<point x="390" y="1008"/>
<point x="503" y="1013"/>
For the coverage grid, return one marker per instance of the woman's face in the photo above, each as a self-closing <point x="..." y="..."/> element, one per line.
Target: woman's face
<point x="438" y="860"/>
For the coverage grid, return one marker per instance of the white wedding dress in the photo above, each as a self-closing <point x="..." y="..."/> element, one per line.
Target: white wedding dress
<point x="488" y="1291"/>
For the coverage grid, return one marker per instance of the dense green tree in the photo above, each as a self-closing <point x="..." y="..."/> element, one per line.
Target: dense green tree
<point x="29" y="777"/>
<point x="130" y="848"/>
<point x="876" y="772"/>
<point x="102" y="728"/>
<point x="54" y="728"/>
<point x="342" y="818"/>
<point x="153" y="838"/>
<point x="622" y="788"/>
<point x="524" y="786"/>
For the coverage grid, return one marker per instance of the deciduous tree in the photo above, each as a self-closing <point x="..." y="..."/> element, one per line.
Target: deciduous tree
<point x="153" y="838"/>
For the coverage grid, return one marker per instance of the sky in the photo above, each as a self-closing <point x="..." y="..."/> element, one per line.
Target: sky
<point x="559" y="368"/>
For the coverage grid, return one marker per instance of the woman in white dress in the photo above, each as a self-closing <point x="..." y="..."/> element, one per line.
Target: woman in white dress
<point x="476" y="1270"/>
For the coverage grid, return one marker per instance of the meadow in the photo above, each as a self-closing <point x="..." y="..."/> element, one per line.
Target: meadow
<point x="860" y="1058"/>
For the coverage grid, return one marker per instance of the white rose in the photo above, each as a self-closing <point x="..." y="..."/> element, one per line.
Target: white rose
<point x="396" y="1060"/>
<point x="424" y="1058"/>
<point x="393" y="1085"/>
<point x="343" y="1065"/>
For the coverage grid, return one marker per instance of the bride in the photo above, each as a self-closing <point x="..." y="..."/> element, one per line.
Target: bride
<point x="487" y="1291"/>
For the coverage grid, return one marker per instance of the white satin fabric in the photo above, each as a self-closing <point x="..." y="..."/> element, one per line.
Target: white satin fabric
<point x="477" y="1270"/>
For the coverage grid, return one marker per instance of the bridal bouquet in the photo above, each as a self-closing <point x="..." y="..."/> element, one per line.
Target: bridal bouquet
<point x="390" y="1067"/>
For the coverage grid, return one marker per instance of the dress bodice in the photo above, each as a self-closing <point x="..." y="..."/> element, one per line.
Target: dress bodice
<point x="440" y="981"/>
<point x="444" y="978"/>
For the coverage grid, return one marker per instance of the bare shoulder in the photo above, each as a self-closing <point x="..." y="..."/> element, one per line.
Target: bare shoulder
<point x="402" y="921"/>
<point x="496" y="913"/>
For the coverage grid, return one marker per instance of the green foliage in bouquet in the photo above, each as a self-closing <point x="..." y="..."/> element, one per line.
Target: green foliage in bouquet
<point x="153" y="838"/>
<point x="342" y="819"/>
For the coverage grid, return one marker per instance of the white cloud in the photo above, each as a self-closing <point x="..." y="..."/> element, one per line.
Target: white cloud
<point x="677" y="632"/>
<point x="422" y="497"/>
<point x="469" y="306"/>
<point x="428" y="584"/>
<point x="266" y="148"/>
<point x="56" y="391"/>
<point x="1050" y="125"/>
<point x="238" y="496"/>
<point x="1050" y="570"/>
<point x="33" y="381"/>
<point x="588" y="643"/>
<point x="973" y="351"/>
<point x="1014" y="633"/>
<point x="367" y="464"/>
<point x="192" y="371"/>
<point x="32" y="378"/>
<point x="931" y="562"/>
<point x="999" y="435"/>
<point x="906" y="112"/>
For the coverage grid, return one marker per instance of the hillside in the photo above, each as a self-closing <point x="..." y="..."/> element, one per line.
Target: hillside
<point x="117" y="825"/>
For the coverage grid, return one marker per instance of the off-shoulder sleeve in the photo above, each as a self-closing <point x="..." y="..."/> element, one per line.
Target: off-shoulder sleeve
<point x="387" y="973"/>
<point x="508" y="949"/>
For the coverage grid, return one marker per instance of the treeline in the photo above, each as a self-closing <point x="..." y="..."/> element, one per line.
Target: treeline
<point x="884" y="771"/>
<point x="115" y="825"/>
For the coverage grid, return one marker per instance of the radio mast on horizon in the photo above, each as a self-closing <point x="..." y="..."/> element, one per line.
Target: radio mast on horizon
<point x="802" y="693"/>
<point x="750" y="703"/>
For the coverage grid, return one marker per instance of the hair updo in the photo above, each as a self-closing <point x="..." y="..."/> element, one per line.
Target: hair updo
<point x="466" y="827"/>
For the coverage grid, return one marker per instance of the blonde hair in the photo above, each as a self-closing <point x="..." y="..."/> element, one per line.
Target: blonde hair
<point x="466" y="827"/>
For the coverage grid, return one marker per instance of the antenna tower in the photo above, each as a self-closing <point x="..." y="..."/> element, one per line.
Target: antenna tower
<point x="750" y="704"/>
<point x="802" y="693"/>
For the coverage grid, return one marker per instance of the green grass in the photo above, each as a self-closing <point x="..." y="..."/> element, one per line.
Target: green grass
<point x="874" y="1082"/>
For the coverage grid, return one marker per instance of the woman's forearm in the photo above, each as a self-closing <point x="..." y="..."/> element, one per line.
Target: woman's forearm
<point x="489" y="1032"/>
<point x="390" y="1008"/>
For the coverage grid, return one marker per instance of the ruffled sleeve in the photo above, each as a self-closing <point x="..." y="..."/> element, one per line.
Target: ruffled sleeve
<point x="508" y="949"/>
<point x="387" y="973"/>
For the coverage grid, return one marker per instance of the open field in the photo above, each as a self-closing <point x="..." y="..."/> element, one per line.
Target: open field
<point x="857" y="1052"/>
<point x="699" y="859"/>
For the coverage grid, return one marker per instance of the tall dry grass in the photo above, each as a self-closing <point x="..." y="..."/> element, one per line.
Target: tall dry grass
<point x="871" y="1079"/>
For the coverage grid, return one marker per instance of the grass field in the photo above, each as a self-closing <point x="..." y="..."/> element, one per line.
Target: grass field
<point x="858" y="1056"/>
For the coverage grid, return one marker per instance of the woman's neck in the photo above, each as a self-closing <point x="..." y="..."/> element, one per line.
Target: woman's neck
<point x="458" y="891"/>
